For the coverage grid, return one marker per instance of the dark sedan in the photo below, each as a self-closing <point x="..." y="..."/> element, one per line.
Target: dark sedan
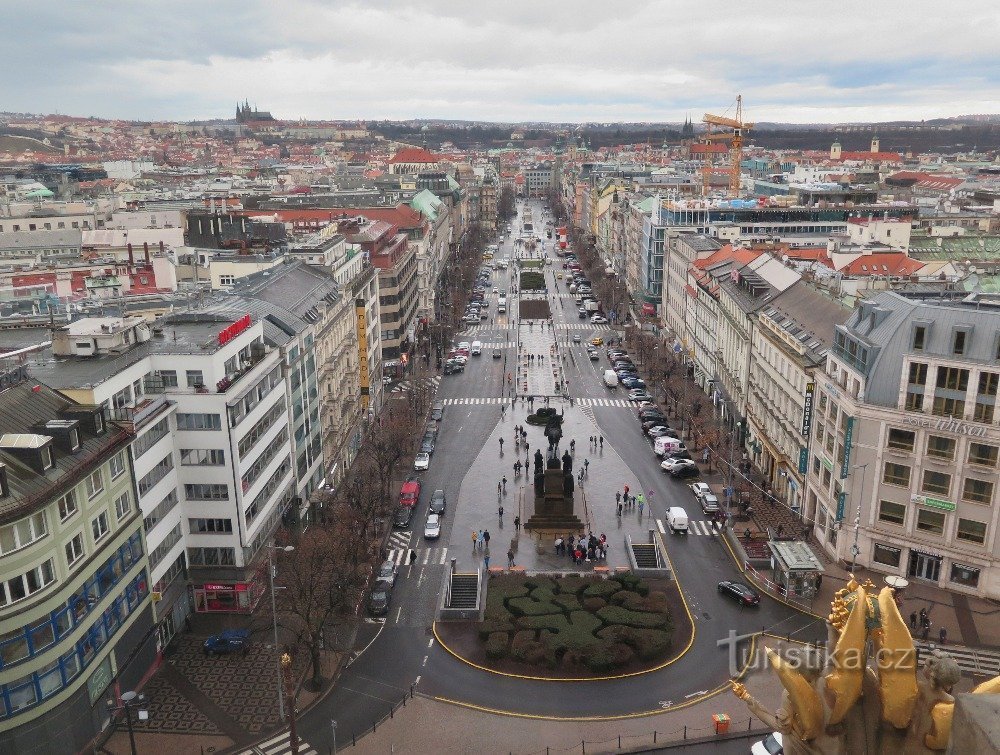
<point x="740" y="593"/>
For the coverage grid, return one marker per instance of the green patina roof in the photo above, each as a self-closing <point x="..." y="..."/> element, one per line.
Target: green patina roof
<point x="647" y="205"/>
<point x="426" y="203"/>
<point x="38" y="193"/>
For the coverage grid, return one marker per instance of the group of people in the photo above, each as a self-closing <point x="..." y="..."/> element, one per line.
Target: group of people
<point x="923" y="620"/>
<point x="480" y="540"/>
<point x="536" y="358"/>
<point x="583" y="549"/>
<point x="625" y="501"/>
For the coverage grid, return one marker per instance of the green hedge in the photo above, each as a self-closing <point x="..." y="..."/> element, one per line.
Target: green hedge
<point x="532" y="280"/>
<point x="568" y="602"/>
<point x="602" y="589"/>
<point x="618" y="615"/>
<point x="555" y="622"/>
<point x="496" y="645"/>
<point x="527" y="607"/>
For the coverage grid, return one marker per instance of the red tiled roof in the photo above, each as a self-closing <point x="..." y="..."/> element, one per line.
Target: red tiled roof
<point x="413" y="155"/>
<point x="876" y="157"/>
<point x="883" y="263"/>
<point x="705" y="149"/>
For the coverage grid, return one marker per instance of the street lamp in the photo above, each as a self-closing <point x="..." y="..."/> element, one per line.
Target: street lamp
<point x="127" y="702"/>
<point x="855" y="550"/>
<point x="274" y="617"/>
<point x="733" y="440"/>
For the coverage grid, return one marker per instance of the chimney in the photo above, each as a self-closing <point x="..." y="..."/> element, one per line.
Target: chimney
<point x="131" y="256"/>
<point x="145" y="248"/>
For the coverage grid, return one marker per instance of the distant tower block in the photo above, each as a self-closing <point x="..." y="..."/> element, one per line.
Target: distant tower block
<point x="875" y="143"/>
<point x="835" y="150"/>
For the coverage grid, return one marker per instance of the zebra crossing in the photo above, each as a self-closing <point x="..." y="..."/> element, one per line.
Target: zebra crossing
<point x="582" y="326"/>
<point x="425" y="556"/>
<point x="695" y="527"/>
<point x="279" y="744"/>
<point x="431" y="382"/>
<point x="400" y="539"/>
<point x="475" y="329"/>
<point x="621" y="403"/>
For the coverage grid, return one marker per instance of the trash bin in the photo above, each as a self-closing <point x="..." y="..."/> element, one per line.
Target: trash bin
<point x="721" y="721"/>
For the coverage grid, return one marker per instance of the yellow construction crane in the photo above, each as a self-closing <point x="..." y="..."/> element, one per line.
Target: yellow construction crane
<point x="721" y="128"/>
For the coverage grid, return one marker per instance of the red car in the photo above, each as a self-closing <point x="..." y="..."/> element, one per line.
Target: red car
<point x="409" y="495"/>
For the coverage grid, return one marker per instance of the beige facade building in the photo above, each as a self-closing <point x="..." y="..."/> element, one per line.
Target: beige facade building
<point x="905" y="442"/>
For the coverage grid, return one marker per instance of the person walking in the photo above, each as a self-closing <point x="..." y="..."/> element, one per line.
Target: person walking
<point x="499" y="490"/>
<point x="913" y="621"/>
<point x="586" y="465"/>
<point x="482" y="539"/>
<point x="486" y="540"/>
<point x="618" y="498"/>
<point x="601" y="439"/>
<point x="475" y="540"/>
<point x="619" y="508"/>
<point x="510" y="558"/>
<point x="486" y="561"/>
<point x="517" y="523"/>
<point x="501" y="446"/>
<point x="504" y="481"/>
<point x="640" y="499"/>
<point x="500" y="514"/>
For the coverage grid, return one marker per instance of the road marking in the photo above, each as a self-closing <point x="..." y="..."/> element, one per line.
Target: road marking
<point x="399" y="612"/>
<point x="424" y="663"/>
<point x="659" y="526"/>
<point x="444" y="555"/>
<point x="695" y="694"/>
<point x="430" y="642"/>
<point x="427" y="556"/>
<point x="417" y="681"/>
<point x="666" y="703"/>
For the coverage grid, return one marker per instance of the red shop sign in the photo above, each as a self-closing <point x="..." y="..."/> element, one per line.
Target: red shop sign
<point x="219" y="588"/>
<point x="229" y="333"/>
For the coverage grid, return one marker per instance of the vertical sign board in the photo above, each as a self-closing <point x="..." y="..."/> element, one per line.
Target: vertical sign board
<point x="359" y="310"/>
<point x="803" y="461"/>
<point x="807" y="410"/>
<point x="841" y="503"/>
<point x="845" y="467"/>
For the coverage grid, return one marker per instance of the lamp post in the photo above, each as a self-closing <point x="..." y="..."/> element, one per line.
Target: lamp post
<point x="734" y="438"/>
<point x="274" y="616"/>
<point x="127" y="701"/>
<point x="855" y="550"/>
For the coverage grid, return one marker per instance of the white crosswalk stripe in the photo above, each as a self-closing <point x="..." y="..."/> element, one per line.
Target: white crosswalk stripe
<point x="585" y="403"/>
<point x="701" y="527"/>
<point x="400" y="539"/>
<point x="279" y="745"/>
<point x="619" y="402"/>
<point x="425" y="556"/>
<point x="582" y="326"/>
<point x="432" y="382"/>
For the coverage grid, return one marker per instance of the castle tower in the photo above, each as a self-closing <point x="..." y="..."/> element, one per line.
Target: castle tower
<point x="835" y="151"/>
<point x="875" y="143"/>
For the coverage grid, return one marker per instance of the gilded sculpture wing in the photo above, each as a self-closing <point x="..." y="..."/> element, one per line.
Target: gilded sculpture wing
<point x="849" y="660"/>
<point x="941" y="716"/>
<point x="807" y="708"/>
<point x="990" y="687"/>
<point x="897" y="664"/>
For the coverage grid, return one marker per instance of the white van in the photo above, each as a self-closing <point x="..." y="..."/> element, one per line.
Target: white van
<point x="677" y="519"/>
<point x="667" y="445"/>
<point x="477" y="348"/>
<point x="611" y="379"/>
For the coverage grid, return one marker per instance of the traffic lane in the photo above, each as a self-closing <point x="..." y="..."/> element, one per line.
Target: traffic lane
<point x="696" y="672"/>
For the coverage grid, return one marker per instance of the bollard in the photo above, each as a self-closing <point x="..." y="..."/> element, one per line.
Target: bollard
<point x="390" y="711"/>
<point x="685" y="732"/>
<point x="354" y="741"/>
<point x="411" y="691"/>
<point x="373" y="727"/>
<point x="583" y="747"/>
<point x="654" y="736"/>
<point x="619" y="741"/>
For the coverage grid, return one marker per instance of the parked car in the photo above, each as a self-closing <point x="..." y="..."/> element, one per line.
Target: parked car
<point x="685" y="471"/>
<point x="437" y="411"/>
<point x="379" y="598"/>
<point x="427" y="447"/>
<point x="432" y="528"/>
<point x="658" y="431"/>
<point x="593" y="355"/>
<point x="772" y="744"/>
<point x="423" y="462"/>
<point x="387" y="572"/>
<point x="453" y="368"/>
<point x="438" y="503"/>
<point x="409" y="494"/>
<point x="598" y="320"/>
<point x="227" y="641"/>
<point x="583" y="313"/>
<point x="669" y="465"/>
<point x="639" y="394"/>
<point x="404" y="515"/>
<point x="576" y="338"/>
<point x="739" y="592"/>
<point x="709" y="503"/>
<point x="699" y="489"/>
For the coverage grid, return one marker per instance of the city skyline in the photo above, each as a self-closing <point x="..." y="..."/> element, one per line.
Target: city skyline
<point x="650" y="62"/>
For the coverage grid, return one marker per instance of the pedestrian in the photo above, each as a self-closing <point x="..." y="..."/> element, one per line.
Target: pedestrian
<point x="618" y="499"/>
<point x="642" y="502"/>
<point x="500" y="513"/>
<point x="569" y="540"/>
<point x="942" y="635"/>
<point x="572" y="446"/>
<point x="482" y="539"/>
<point x="486" y="540"/>
<point x="517" y="523"/>
<point x="499" y="489"/>
<point x="475" y="543"/>
<point x="580" y="477"/>
<point x="586" y="465"/>
<point x="913" y="621"/>
<point x="559" y="546"/>
<point x="626" y="491"/>
<point x="819" y="577"/>
<point x="923" y="616"/>
<point x="601" y="438"/>
<point x="486" y="561"/>
<point x="504" y="481"/>
<point x="501" y="446"/>
<point x="510" y="558"/>
<point x="619" y="508"/>
<point x="925" y="633"/>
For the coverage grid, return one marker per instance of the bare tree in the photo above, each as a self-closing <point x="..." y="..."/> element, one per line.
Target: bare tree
<point x="322" y="583"/>
<point x="387" y="445"/>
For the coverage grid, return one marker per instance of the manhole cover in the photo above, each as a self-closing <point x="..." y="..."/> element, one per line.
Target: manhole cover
<point x="705" y="615"/>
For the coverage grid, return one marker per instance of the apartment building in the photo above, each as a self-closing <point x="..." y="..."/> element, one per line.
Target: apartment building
<point x="206" y="396"/>
<point x="76" y="621"/>
<point x="666" y="273"/>
<point x="906" y="439"/>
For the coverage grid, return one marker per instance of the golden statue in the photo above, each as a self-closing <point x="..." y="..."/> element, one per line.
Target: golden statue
<point x="829" y="700"/>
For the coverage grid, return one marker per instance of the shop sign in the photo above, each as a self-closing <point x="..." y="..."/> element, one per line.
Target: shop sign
<point x="230" y="332"/>
<point x="845" y="467"/>
<point x="219" y="588"/>
<point x="100" y="680"/>
<point x="13" y="376"/>
<point x="807" y="410"/>
<point x="363" y="376"/>
<point x="826" y="463"/>
<point x="948" y="425"/>
<point x="933" y="503"/>
<point x="803" y="460"/>
<point x="841" y="505"/>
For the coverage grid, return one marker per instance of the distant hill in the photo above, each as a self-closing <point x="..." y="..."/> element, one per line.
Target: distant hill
<point x="13" y="143"/>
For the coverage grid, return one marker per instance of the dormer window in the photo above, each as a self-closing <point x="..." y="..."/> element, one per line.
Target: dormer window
<point x="45" y="454"/>
<point x="74" y="439"/>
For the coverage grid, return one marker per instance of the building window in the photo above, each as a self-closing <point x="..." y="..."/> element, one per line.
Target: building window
<point x="117" y="464"/>
<point x="169" y="378"/>
<point x="918" y="373"/>
<point x="964" y="575"/>
<point x="959" y="342"/>
<point x="886" y="555"/>
<point x="123" y="504"/>
<point x="941" y="448"/>
<point x="952" y="379"/>
<point x="937" y="483"/>
<point x="206" y="492"/>
<point x="95" y="484"/>
<point x="893" y="513"/>
<point x="199" y="422"/>
<point x="977" y="491"/>
<point x="23" y="585"/>
<point x="900" y="440"/>
<point x="227" y="280"/>
<point x="23" y="533"/>
<point x="203" y="457"/>
<point x="68" y="506"/>
<point x="154" y="475"/>
<point x="931" y="522"/>
<point x="986" y="397"/>
<point x="948" y="407"/>
<point x="210" y="526"/>
<point x="983" y="454"/>
<point x="971" y="531"/>
<point x="74" y="549"/>
<point x="211" y="556"/>
<point x="194" y="378"/>
<point x="896" y="474"/>
<point x="46" y="453"/>
<point x="919" y="337"/>
<point x="99" y="526"/>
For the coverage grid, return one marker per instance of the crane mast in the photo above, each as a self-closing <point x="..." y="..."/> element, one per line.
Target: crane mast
<point x="732" y="130"/>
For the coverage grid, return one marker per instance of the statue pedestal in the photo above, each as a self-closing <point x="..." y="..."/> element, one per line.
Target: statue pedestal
<point x="554" y="508"/>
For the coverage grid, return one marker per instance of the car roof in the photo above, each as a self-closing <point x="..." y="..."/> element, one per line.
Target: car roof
<point x="412" y="486"/>
<point x="433" y="519"/>
<point x="437" y="493"/>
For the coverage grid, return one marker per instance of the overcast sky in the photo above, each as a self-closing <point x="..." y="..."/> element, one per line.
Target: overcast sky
<point x="503" y="60"/>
